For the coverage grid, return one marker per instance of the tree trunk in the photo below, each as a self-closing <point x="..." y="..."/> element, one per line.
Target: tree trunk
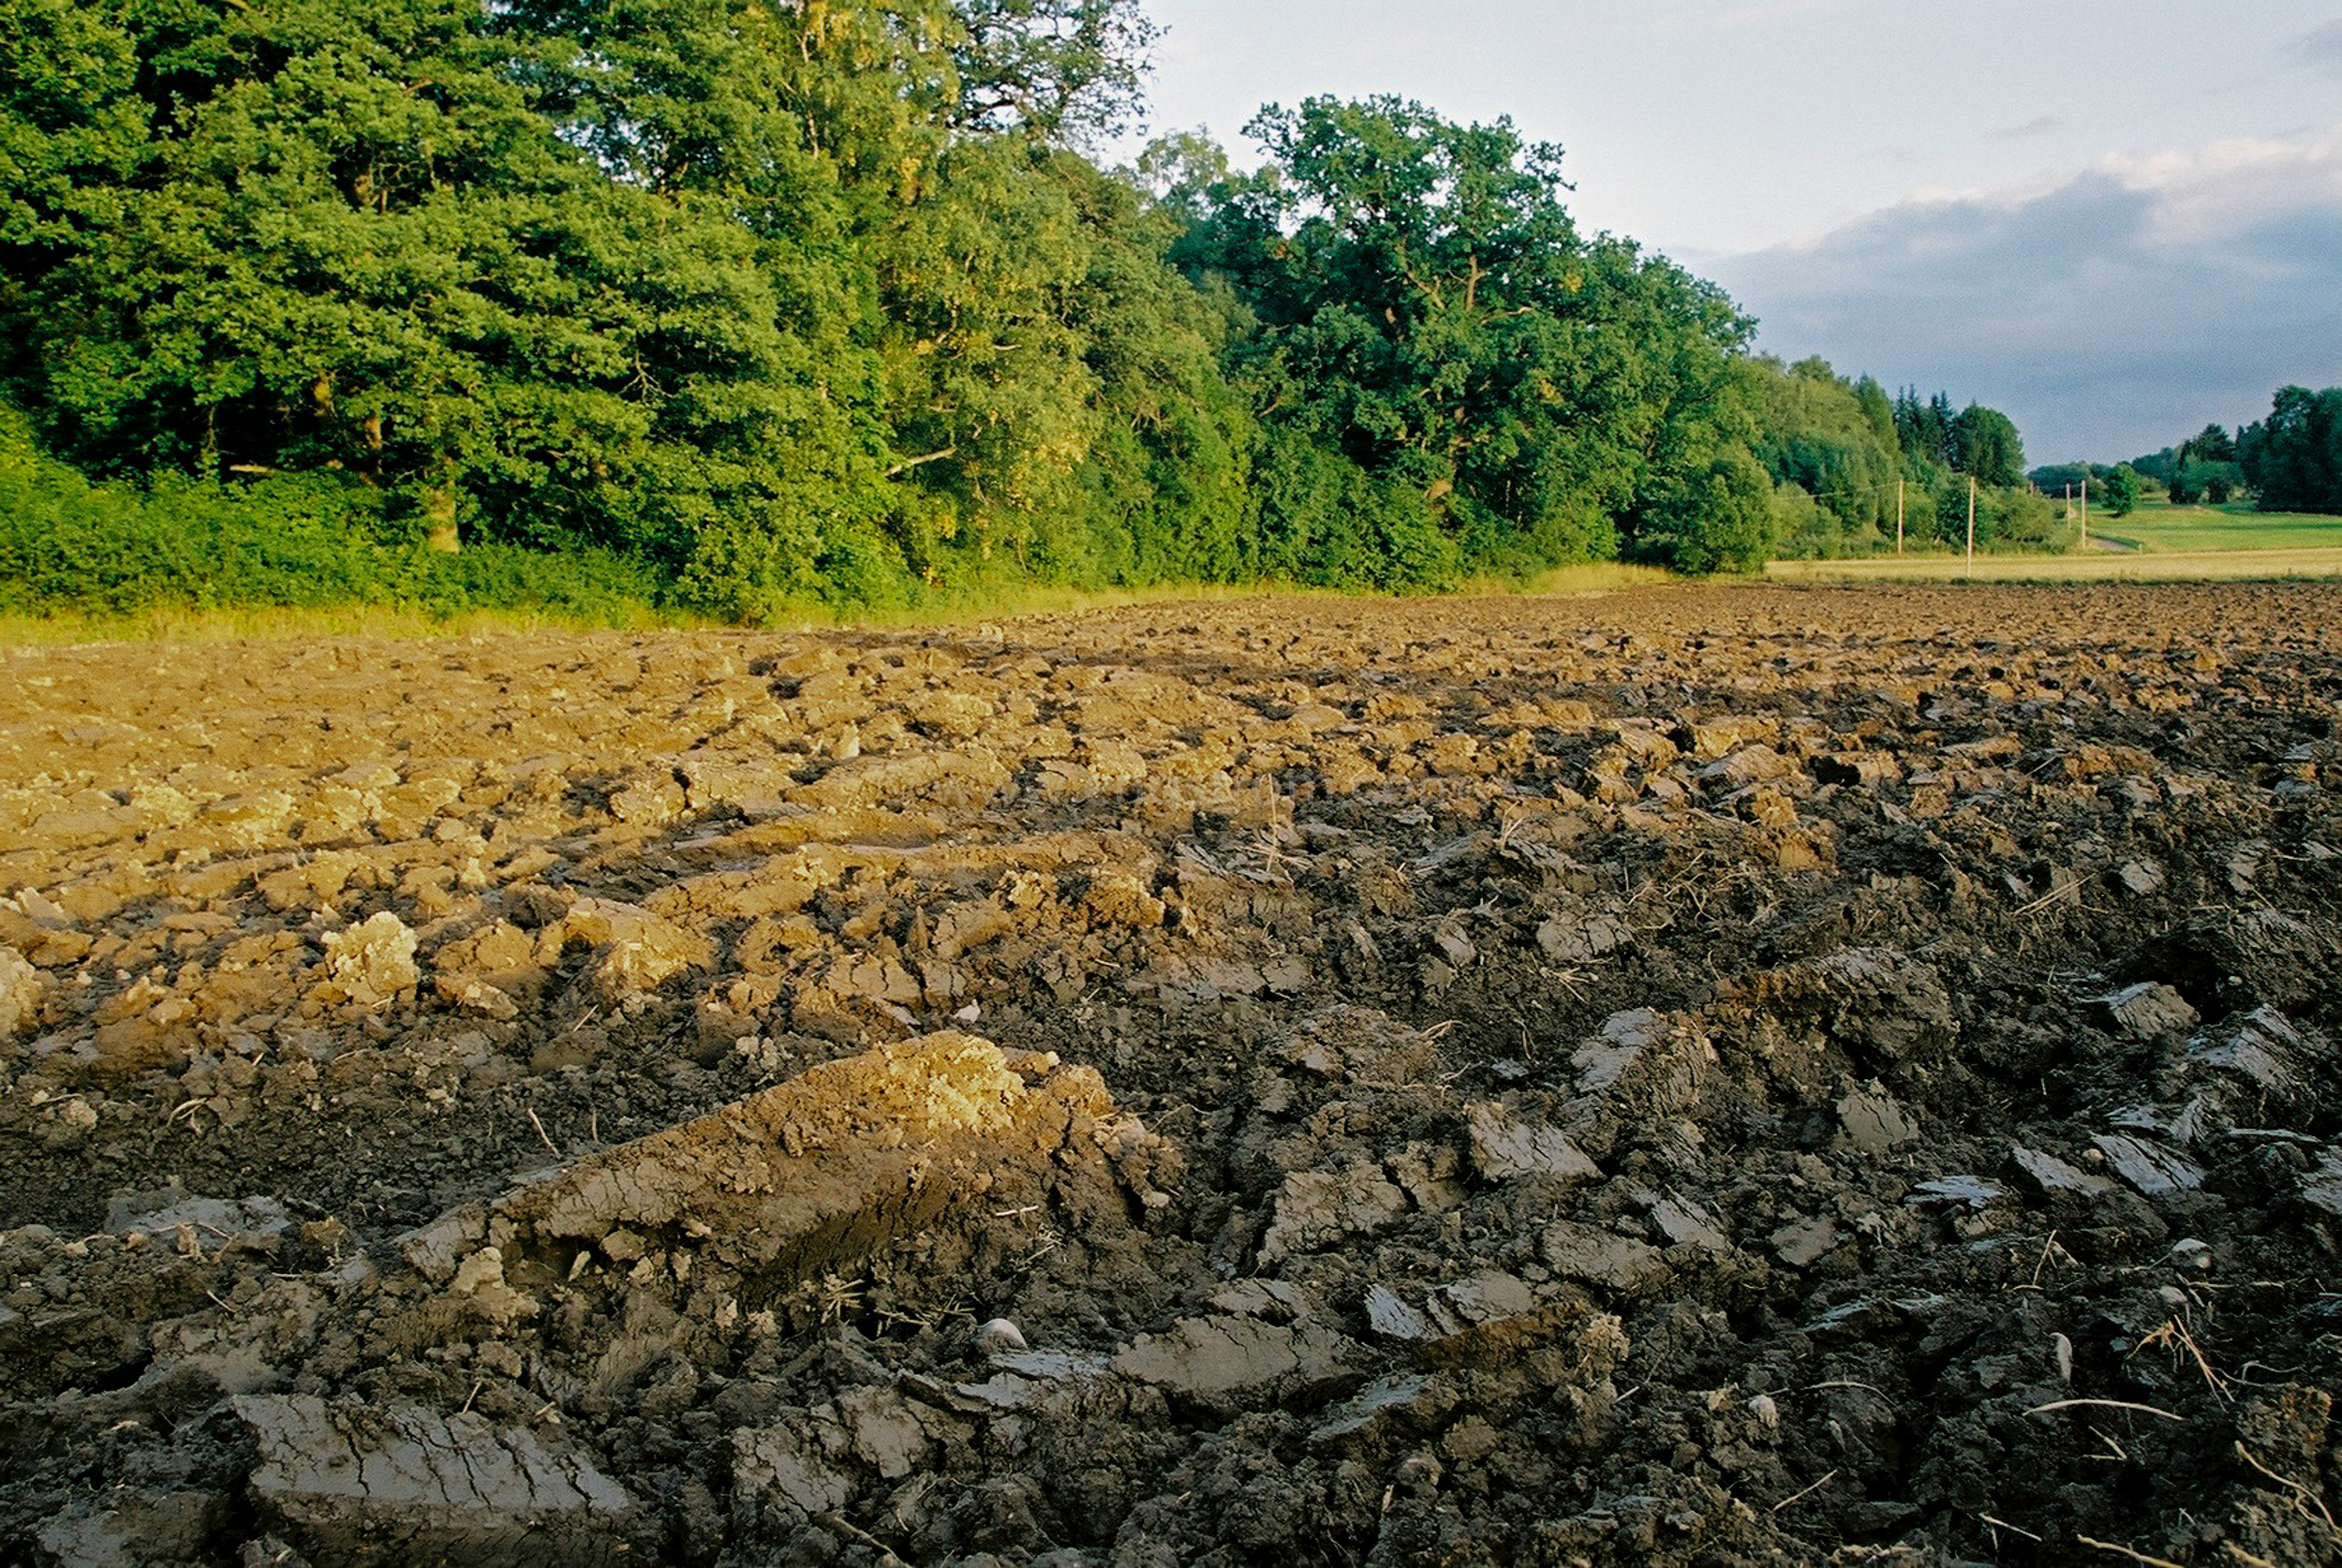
<point x="438" y="519"/>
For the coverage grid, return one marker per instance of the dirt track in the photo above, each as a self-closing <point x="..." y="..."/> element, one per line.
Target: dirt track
<point x="1702" y="1075"/>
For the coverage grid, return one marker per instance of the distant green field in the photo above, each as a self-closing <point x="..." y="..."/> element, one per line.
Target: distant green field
<point x="2158" y="543"/>
<point x="2192" y="529"/>
<point x="2097" y="566"/>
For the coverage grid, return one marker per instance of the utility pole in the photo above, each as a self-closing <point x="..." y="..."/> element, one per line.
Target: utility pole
<point x="2085" y="506"/>
<point x="1971" y="525"/>
<point x="1898" y="517"/>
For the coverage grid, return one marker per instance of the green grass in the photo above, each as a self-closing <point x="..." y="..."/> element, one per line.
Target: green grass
<point x="244" y="623"/>
<point x="2096" y="565"/>
<point x="2163" y="529"/>
<point x="2158" y="543"/>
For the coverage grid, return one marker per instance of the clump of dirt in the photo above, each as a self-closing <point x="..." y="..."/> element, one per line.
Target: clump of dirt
<point x="1696" y="1076"/>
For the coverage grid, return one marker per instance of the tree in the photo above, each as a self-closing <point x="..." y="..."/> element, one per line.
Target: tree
<point x="356" y="241"/>
<point x="1877" y="409"/>
<point x="1057" y="69"/>
<point x="2122" y="490"/>
<point x="2294" y="458"/>
<point x="1722" y="520"/>
<point x="1925" y="429"/>
<point x="1421" y="306"/>
<point x="1834" y="442"/>
<point x="820" y="300"/>
<point x="71" y="129"/>
<point x="1985" y="445"/>
<point x="2204" y="466"/>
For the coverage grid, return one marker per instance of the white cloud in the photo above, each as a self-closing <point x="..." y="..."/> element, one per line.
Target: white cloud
<point x="2108" y="313"/>
<point x="2203" y="194"/>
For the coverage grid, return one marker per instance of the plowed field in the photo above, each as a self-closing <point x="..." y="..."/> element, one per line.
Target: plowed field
<point x="1702" y="1075"/>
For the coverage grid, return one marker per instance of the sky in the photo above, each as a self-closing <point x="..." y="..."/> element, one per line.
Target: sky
<point x="2115" y="221"/>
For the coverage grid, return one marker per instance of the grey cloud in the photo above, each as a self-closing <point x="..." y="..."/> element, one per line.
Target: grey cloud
<point x="2070" y="312"/>
<point x="2322" y="47"/>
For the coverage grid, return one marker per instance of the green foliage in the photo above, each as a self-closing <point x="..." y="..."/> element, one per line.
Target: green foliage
<point x="1984" y="444"/>
<point x="1053" y="68"/>
<point x="2216" y="482"/>
<point x="69" y="128"/>
<point x="1978" y="441"/>
<point x="2294" y="458"/>
<point x="758" y="307"/>
<point x="1833" y="443"/>
<point x="1924" y="430"/>
<point x="1722" y="520"/>
<point x="2122" y="490"/>
<point x="2053" y="479"/>
<point x="1417" y="303"/>
<point x="2204" y="467"/>
<point x="297" y="540"/>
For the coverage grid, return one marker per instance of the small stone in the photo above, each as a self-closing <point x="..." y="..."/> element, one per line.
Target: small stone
<point x="1000" y="1338"/>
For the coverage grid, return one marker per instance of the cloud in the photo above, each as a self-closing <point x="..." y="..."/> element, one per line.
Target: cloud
<point x="1760" y="13"/>
<point x="2040" y="126"/>
<point x="2322" y="48"/>
<point x="2106" y="315"/>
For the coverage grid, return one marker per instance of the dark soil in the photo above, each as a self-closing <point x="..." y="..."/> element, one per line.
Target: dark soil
<point x="1711" y="1075"/>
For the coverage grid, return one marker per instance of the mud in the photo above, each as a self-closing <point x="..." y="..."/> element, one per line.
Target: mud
<point x="1698" y="1076"/>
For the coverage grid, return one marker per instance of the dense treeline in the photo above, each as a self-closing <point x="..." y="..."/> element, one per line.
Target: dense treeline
<point x="2292" y="460"/>
<point x="752" y="306"/>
